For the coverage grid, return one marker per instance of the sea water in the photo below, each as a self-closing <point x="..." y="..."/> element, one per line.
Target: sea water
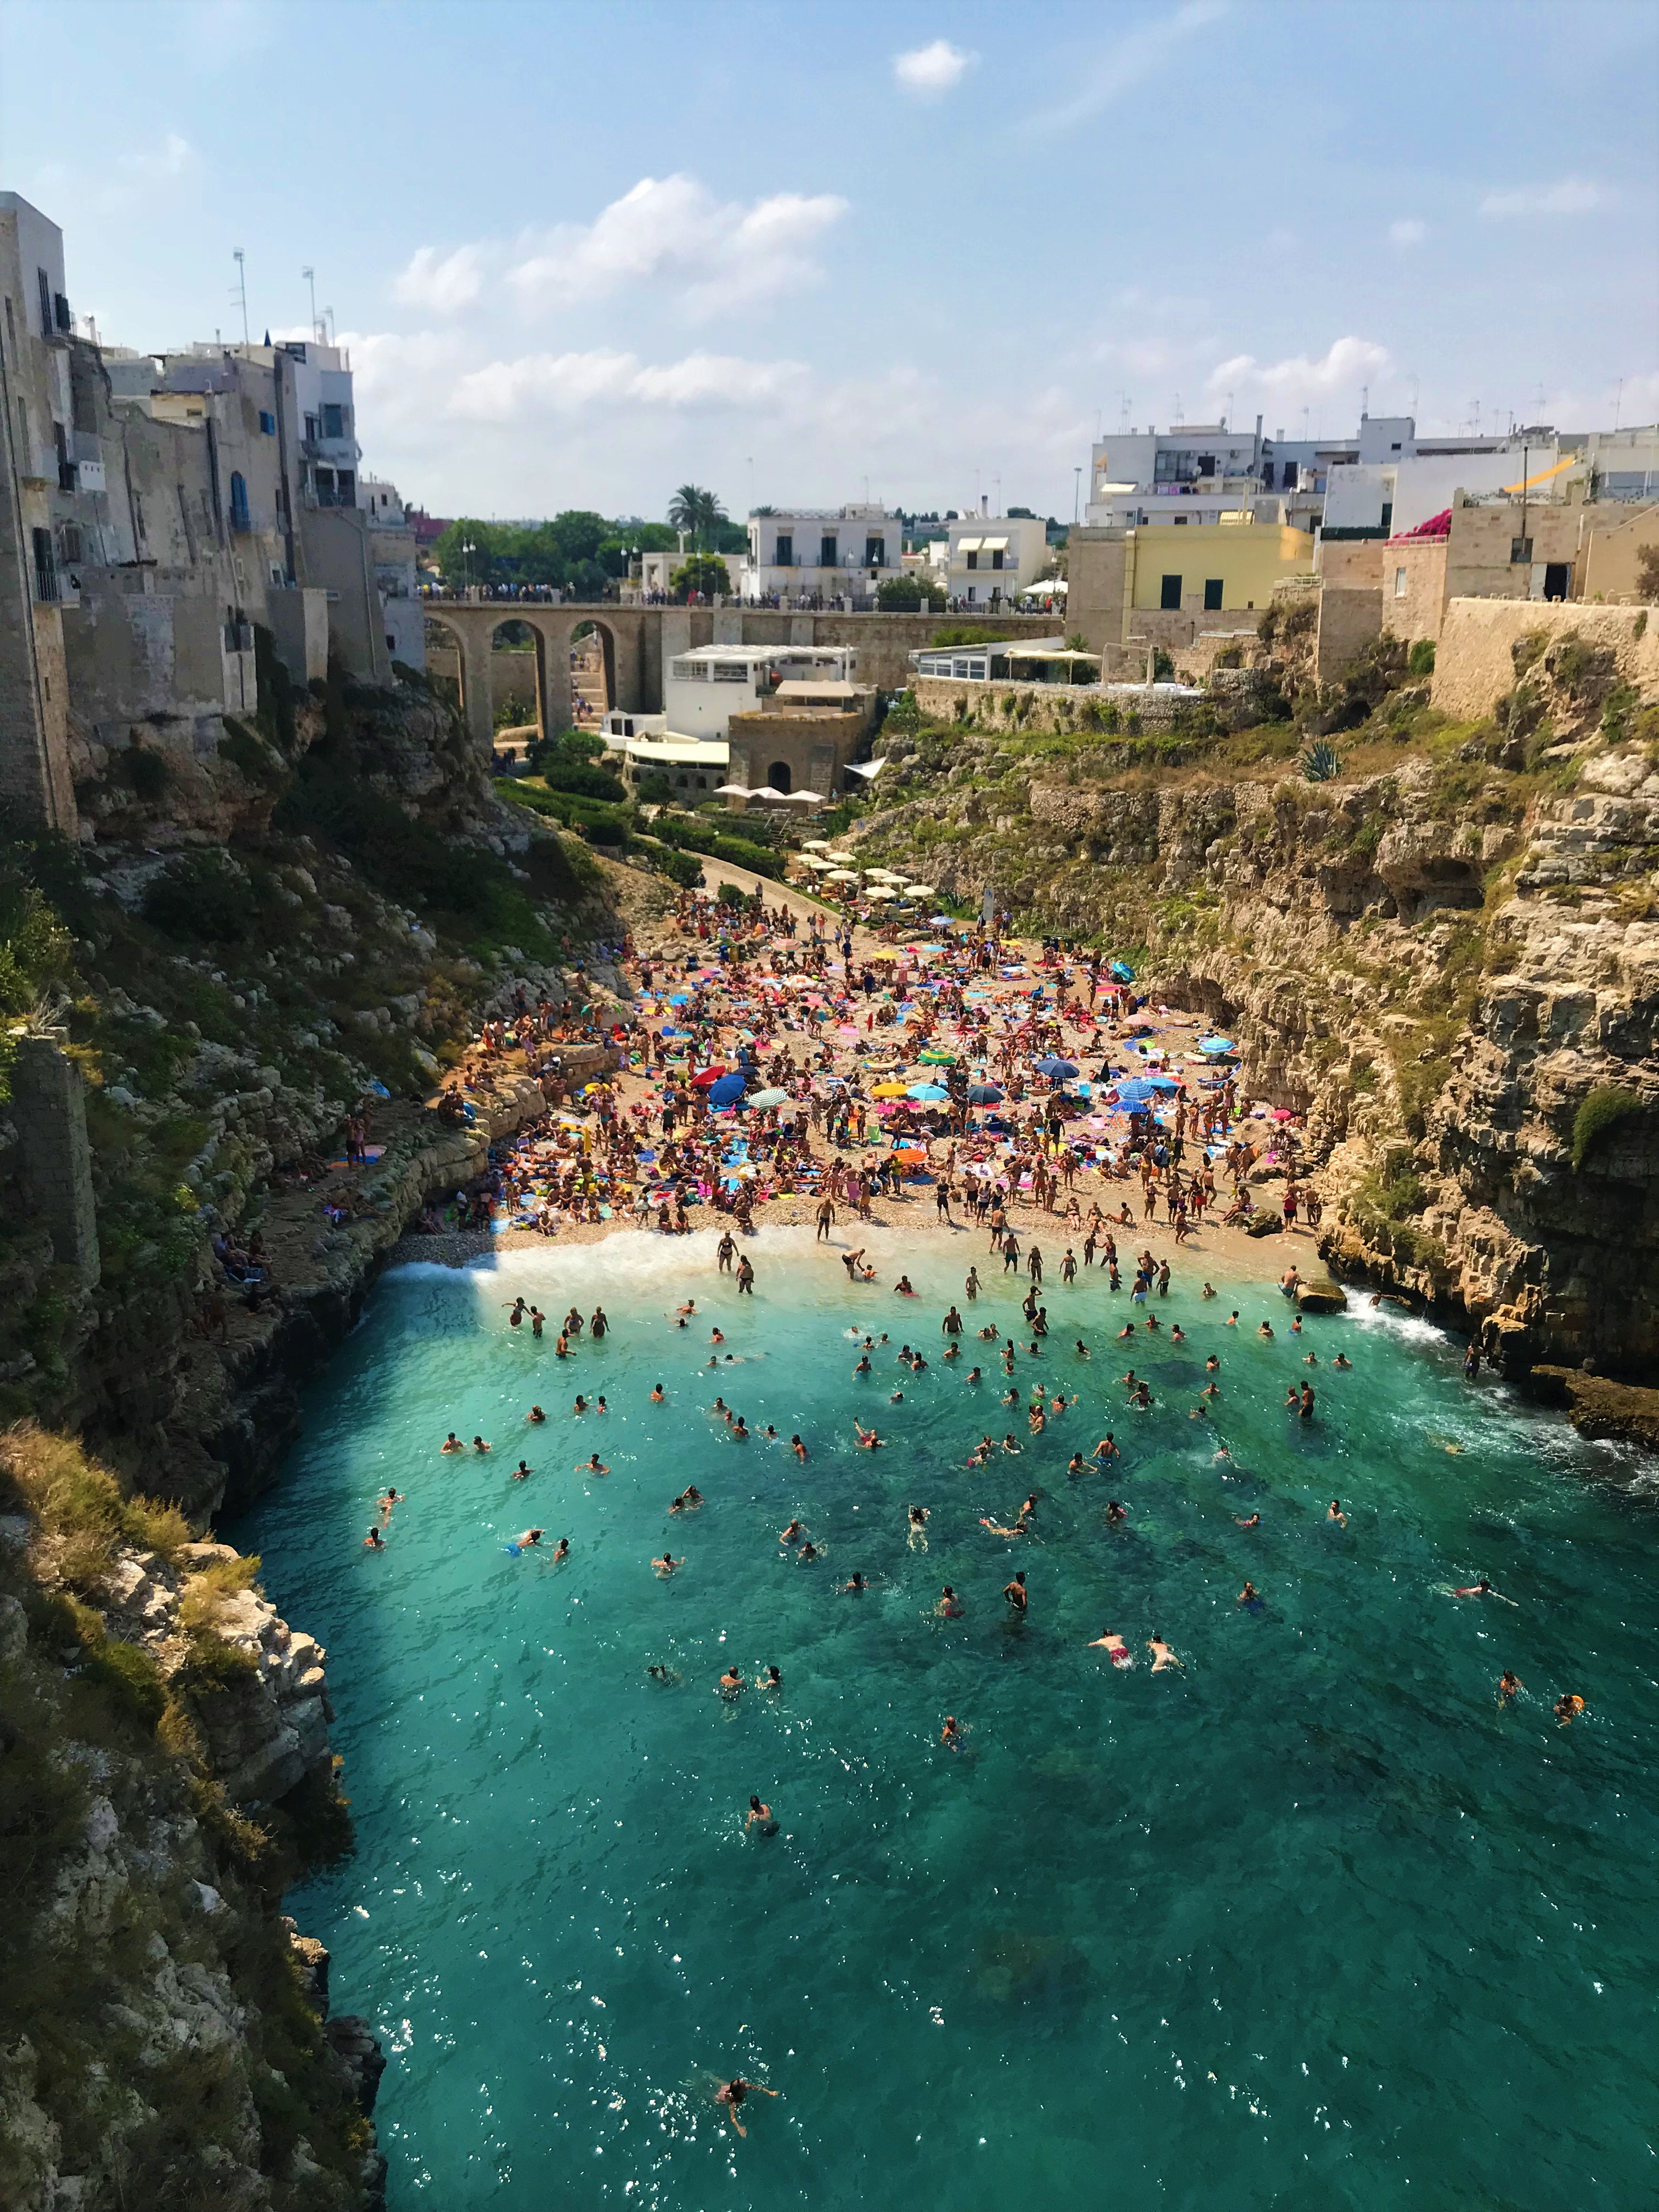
<point x="1313" y="1923"/>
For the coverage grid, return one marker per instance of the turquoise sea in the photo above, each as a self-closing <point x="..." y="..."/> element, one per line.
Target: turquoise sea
<point x="1313" y="1924"/>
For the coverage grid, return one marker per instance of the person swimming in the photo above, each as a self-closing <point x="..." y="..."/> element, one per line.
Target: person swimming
<point x="791" y="1534"/>
<point x="950" y="1607"/>
<point x="593" y="1465"/>
<point x="657" y="1395"/>
<point x="522" y="1472"/>
<point x="951" y="1735"/>
<point x="666" y="1565"/>
<point x="1247" y="1519"/>
<point x="1115" y="1512"/>
<point x="730" y="1682"/>
<point x="451" y="1442"/>
<point x="373" y="1541"/>
<point x="1481" y="1589"/>
<point x="916" y="1525"/>
<point x="732" y="2094"/>
<point x="1015" y="1592"/>
<point x="1250" y="1598"/>
<point x="1509" y="1686"/>
<point x="1568" y="1707"/>
<point x="535" y="1416"/>
<point x="1115" y="1648"/>
<point x="760" y="1816"/>
<point x="562" y="1550"/>
<point x="1163" y="1654"/>
<point x="857" y="1583"/>
<point x="386" y="1501"/>
<point x="771" y="1679"/>
<point x="1334" y="1512"/>
<point x="688" y="1501"/>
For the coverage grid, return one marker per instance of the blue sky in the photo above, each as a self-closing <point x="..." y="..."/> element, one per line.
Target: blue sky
<point x="583" y="253"/>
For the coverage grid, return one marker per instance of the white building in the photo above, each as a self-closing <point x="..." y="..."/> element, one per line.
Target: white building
<point x="827" y="551"/>
<point x="703" y="689"/>
<point x="392" y="549"/>
<point x="1193" y="472"/>
<point x="987" y="560"/>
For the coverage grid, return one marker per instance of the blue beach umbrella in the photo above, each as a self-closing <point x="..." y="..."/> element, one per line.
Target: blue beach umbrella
<point x="928" y="1093"/>
<point x="1215" y="1044"/>
<point x="1054" y="1066"/>
<point x="727" y="1091"/>
<point x="1123" y="971"/>
<point x="984" y="1094"/>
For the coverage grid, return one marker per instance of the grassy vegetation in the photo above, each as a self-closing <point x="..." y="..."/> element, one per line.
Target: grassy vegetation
<point x="1600" y="1111"/>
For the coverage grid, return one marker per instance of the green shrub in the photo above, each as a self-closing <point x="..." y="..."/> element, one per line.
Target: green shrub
<point x="1319" y="763"/>
<point x="963" y="634"/>
<point x="1599" y="1111"/>
<point x="1419" y="662"/>
<point x="585" y="783"/>
<point x="201" y="897"/>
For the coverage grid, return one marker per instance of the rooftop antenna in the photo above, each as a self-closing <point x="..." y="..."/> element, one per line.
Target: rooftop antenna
<point x="1475" y="415"/>
<point x="1305" y="413"/>
<point x="997" y="481"/>
<point x="1178" y="411"/>
<point x="1123" y="414"/>
<point x="1228" y="417"/>
<point x="1618" y="402"/>
<point x="310" y="275"/>
<point x="1416" y="385"/>
<point x="1365" y="401"/>
<point x="1077" y="493"/>
<point x="240" y="293"/>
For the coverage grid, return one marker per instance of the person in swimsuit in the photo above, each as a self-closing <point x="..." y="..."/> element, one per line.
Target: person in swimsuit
<point x="593" y="1465"/>
<point x="1334" y="1512"/>
<point x="730" y="1682"/>
<point x="916" y="1523"/>
<point x="1016" y="1593"/>
<point x="523" y="1472"/>
<point x="1250" y="1598"/>
<point x="1115" y="1648"/>
<point x="1248" y="1521"/>
<point x="808" y="1551"/>
<point x="791" y="1534"/>
<point x="535" y="1416"/>
<point x="657" y="1395"/>
<point x="386" y="1501"/>
<point x="1115" y="1513"/>
<point x="760" y="1816"/>
<point x="451" y="1442"/>
<point x="1481" y="1588"/>
<point x="771" y="1679"/>
<point x="951" y="1735"/>
<point x="1342" y="1360"/>
<point x="856" y="1584"/>
<point x="1568" y="1707"/>
<point x="373" y="1541"/>
<point x="798" y="1449"/>
<point x="665" y="1565"/>
<point x="530" y="1536"/>
<point x="562" y="1550"/>
<point x="1509" y="1686"/>
<point x="732" y="2094"/>
<point x="1163" y="1655"/>
<point x="950" y="1605"/>
<point x="868" y="1440"/>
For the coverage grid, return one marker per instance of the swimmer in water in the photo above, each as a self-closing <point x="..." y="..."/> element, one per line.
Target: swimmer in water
<point x="373" y="1541"/>
<point x="856" y="1583"/>
<point x="1250" y="1597"/>
<point x="1081" y="1349"/>
<point x="386" y="1501"/>
<point x="579" y="1406"/>
<point x="479" y="1445"/>
<point x="808" y="1551"/>
<point x="665" y="1565"/>
<point x="1075" y="1466"/>
<point x="951" y="1735"/>
<point x="716" y="1336"/>
<point x="1342" y="1360"/>
<point x="523" y="1472"/>
<point x="950" y="1605"/>
<point x="1568" y="1707"/>
<point x="657" y="1395"/>
<point x="688" y="1501"/>
<point x="730" y="1682"/>
<point x="451" y="1442"/>
<point x="1115" y="1513"/>
<point x="997" y="1528"/>
<point x="732" y="2094"/>
<point x="1211" y="1364"/>
<point x="1207" y="1291"/>
<point x="530" y="1536"/>
<point x="1247" y="1519"/>
<point x="1481" y="1589"/>
<point x="973" y="1375"/>
<point x="562" y="1550"/>
<point x="771" y="1679"/>
<point x="1016" y="1593"/>
<point x="916" y="1523"/>
<point x="868" y="1440"/>
<point x="760" y="1816"/>
<point x="1265" y="1332"/>
<point x="1107" y="1447"/>
<point x="798" y="1449"/>
<point x="593" y="1465"/>
<point x="1334" y="1512"/>
<point x="791" y="1534"/>
<point x="1115" y="1648"/>
<point x="1509" y="1686"/>
<point x="535" y="1416"/>
<point x="1162" y="1655"/>
<point x="659" y="1673"/>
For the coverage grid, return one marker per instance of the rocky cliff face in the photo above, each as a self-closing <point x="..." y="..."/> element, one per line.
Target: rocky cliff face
<point x="1450" y="964"/>
<point x="164" y="1767"/>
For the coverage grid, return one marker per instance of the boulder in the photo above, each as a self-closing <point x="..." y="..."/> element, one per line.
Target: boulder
<point x="1322" y="1296"/>
<point x="1266" y="1224"/>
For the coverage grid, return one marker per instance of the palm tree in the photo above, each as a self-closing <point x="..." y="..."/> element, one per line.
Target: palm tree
<point x="695" y="510"/>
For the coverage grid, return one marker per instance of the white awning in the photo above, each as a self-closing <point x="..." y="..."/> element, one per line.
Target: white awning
<point x="968" y="544"/>
<point x="830" y="688"/>
<point x="994" y="545"/>
<point x="865" y="768"/>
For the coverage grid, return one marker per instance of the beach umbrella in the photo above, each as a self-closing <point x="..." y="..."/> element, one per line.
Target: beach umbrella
<point x="1162" y="1082"/>
<point x="1123" y="971"/>
<point x="814" y="844"/>
<point x="984" y="1094"/>
<point x="764" y="1098"/>
<point x="937" y="1059"/>
<point x="842" y="876"/>
<point x="1051" y="1065"/>
<point x="1215" y="1044"/>
<point x="940" y="920"/>
<point x="920" y="890"/>
<point x="705" y="1077"/>
<point x="888" y="1091"/>
<point x="928" y="1093"/>
<point x="727" y="1091"/>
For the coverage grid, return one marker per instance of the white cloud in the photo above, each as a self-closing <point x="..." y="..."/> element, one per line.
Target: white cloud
<point x="1407" y="231"/>
<point x="510" y="391"/>
<point x="174" y="157"/>
<point x="1133" y="60"/>
<point x="673" y="230"/>
<point x="1349" y="363"/>
<point x="1570" y="196"/>
<point x="931" y="71"/>
<point x="443" y="286"/>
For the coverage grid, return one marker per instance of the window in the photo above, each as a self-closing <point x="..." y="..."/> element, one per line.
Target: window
<point x="1388" y="514"/>
<point x="1206" y="464"/>
<point x="875" y="552"/>
<point x="311" y="429"/>
<point x="46" y="565"/>
<point x="1557" y="576"/>
<point x="972" y="560"/>
<point x="996" y="560"/>
<point x="1169" y="593"/>
<point x="324" y="480"/>
<point x="1287" y="477"/>
<point x="1394" y="448"/>
<point x="1212" y="595"/>
<point x="239" y="520"/>
<point x="11" y="328"/>
<point x="785" y="556"/>
<point x="346" y="488"/>
<point x="1520" y="550"/>
<point x="267" y="423"/>
<point x="1400" y="583"/>
<point x="826" y="552"/>
<point x="333" y="422"/>
<point x="68" y="541"/>
<point x="45" y="303"/>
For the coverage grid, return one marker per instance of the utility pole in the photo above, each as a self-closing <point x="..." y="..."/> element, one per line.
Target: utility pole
<point x="310" y="276"/>
<point x="240" y="293"/>
<point x="1077" y="494"/>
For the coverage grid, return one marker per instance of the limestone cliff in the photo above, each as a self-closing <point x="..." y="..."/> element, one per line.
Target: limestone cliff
<point x="164" y="1769"/>
<point x="1446" y="956"/>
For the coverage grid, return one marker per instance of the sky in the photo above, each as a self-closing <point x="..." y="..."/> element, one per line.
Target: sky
<point x="809" y="253"/>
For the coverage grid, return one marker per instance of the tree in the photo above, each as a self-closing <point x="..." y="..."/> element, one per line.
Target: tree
<point x="459" y="568"/>
<point x="1647" y="571"/>
<point x="906" y="594"/>
<point x="696" y="511"/>
<point x="702" y="572"/>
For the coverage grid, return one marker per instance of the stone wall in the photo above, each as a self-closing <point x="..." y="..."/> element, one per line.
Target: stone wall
<point x="1350" y="619"/>
<point x="55" y="1162"/>
<point x="1476" y="664"/>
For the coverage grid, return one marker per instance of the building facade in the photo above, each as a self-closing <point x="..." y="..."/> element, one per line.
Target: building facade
<point x="822" y="552"/>
<point x="987" y="560"/>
